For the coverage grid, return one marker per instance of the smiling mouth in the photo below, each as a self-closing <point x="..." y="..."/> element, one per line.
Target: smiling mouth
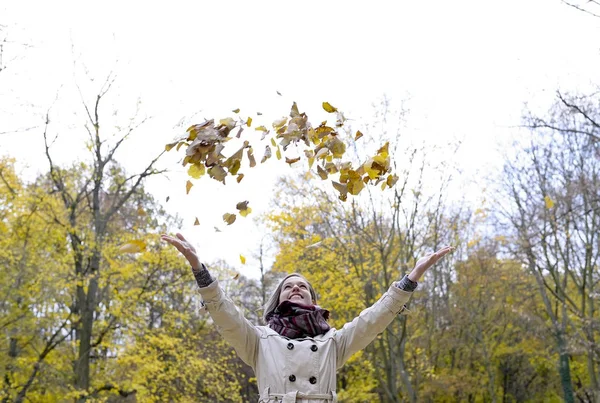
<point x="296" y="295"/>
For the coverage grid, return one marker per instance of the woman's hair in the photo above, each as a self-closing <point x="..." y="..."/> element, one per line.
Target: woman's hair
<point x="273" y="301"/>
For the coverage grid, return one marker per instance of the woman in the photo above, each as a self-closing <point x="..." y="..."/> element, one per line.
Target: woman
<point x="295" y="357"/>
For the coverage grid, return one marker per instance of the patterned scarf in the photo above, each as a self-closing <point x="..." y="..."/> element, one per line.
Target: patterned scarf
<point x="294" y="320"/>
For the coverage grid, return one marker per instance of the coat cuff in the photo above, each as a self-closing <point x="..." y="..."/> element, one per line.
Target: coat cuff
<point x="396" y="300"/>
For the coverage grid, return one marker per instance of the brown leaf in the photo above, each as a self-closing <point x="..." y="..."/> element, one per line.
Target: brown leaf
<point x="239" y="178"/>
<point x="197" y="222"/>
<point x="251" y="157"/>
<point x="229" y="218"/>
<point x="242" y="205"/>
<point x="358" y="135"/>
<point x="291" y="160"/>
<point x="322" y="173"/>
<point x="188" y="186"/>
<point x="236" y="110"/>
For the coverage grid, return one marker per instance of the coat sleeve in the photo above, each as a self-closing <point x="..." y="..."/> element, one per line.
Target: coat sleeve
<point x="359" y="333"/>
<point x="242" y="335"/>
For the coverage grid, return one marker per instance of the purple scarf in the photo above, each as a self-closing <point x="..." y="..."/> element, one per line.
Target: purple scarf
<point x="294" y="320"/>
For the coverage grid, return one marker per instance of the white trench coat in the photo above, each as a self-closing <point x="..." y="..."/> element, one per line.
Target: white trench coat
<point x="299" y="370"/>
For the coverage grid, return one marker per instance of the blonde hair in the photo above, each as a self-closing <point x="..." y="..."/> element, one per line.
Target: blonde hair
<point x="273" y="301"/>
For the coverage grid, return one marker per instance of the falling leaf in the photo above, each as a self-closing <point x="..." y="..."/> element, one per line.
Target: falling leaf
<point x="549" y="202"/>
<point x="196" y="170"/>
<point x="229" y="218"/>
<point x="236" y="110"/>
<point x="217" y="229"/>
<point x="358" y="135"/>
<point x="294" y="111"/>
<point x="261" y="129"/>
<point x="278" y="93"/>
<point x="291" y="160"/>
<point x="259" y="113"/>
<point x="243" y="259"/>
<point x="328" y="108"/>
<point x="188" y="186"/>
<point x="228" y="122"/>
<point x="322" y="173"/>
<point x="239" y="133"/>
<point x="243" y="208"/>
<point x="267" y="154"/>
<point x="217" y="173"/>
<point x="197" y="222"/>
<point x="239" y="178"/>
<point x="249" y="121"/>
<point x="237" y="275"/>
<point x="242" y="205"/>
<point x="134" y="246"/>
<point x="250" y="154"/>
<point x="167" y="199"/>
<point x="169" y="146"/>
<point x="278" y="153"/>
<point x="280" y="122"/>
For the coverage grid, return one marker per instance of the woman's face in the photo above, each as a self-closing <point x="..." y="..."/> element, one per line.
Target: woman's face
<point x="295" y="289"/>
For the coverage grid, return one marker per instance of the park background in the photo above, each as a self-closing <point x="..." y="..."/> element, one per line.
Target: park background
<point x="491" y="113"/>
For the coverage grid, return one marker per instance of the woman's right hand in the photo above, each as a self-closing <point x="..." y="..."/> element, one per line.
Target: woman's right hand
<point x="185" y="248"/>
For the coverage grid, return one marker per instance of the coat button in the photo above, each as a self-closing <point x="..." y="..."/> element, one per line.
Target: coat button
<point x="292" y="378"/>
<point x="312" y="380"/>
<point x="290" y="346"/>
<point x="314" y="347"/>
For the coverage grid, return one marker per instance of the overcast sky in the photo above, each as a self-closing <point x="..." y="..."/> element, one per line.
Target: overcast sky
<point x="465" y="67"/>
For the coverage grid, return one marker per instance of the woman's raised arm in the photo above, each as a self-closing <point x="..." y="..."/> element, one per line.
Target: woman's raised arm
<point x="359" y="333"/>
<point x="231" y="323"/>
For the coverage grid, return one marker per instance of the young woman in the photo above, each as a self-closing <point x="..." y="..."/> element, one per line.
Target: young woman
<point x="295" y="357"/>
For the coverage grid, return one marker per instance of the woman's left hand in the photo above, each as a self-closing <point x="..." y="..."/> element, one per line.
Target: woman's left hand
<point x="426" y="262"/>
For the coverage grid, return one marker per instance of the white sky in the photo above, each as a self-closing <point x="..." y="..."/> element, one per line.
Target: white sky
<point x="468" y="67"/>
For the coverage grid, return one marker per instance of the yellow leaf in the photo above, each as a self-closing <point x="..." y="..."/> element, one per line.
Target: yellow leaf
<point x="229" y="218"/>
<point x="169" y="146"/>
<point x="278" y="153"/>
<point x="549" y="202"/>
<point x="134" y="246"/>
<point x="384" y="150"/>
<point x="239" y="178"/>
<point x="242" y="259"/>
<point x="358" y="135"/>
<point x="328" y="108"/>
<point x="188" y="186"/>
<point x="273" y="143"/>
<point x="249" y="121"/>
<point x="294" y="111"/>
<point x="197" y="222"/>
<point x="245" y="212"/>
<point x="236" y="110"/>
<point x="196" y="170"/>
<point x="261" y="129"/>
<point x="141" y="212"/>
<point x="280" y="122"/>
<point x="229" y="122"/>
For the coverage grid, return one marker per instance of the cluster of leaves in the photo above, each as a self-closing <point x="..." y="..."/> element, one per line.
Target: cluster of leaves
<point x="205" y="145"/>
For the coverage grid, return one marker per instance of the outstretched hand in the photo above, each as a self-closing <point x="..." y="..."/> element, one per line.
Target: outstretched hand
<point x="427" y="261"/>
<point x="185" y="248"/>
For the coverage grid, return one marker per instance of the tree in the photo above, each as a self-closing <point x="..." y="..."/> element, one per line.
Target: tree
<point x="553" y="215"/>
